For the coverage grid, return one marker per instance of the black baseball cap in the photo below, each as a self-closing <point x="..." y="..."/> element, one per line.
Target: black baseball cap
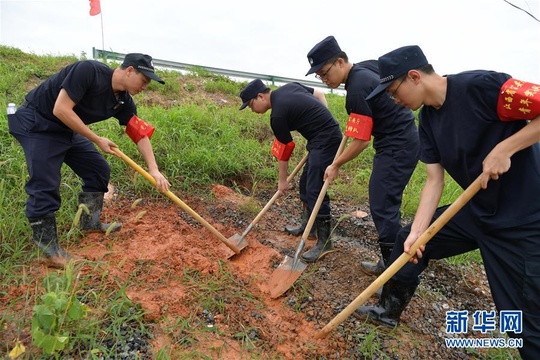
<point x="142" y="63"/>
<point x="321" y="53"/>
<point x="397" y="63"/>
<point x="251" y="91"/>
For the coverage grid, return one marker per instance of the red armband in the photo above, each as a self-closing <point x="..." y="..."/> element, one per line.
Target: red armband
<point x="518" y="100"/>
<point x="137" y="129"/>
<point x="282" y="151"/>
<point x="359" y="127"/>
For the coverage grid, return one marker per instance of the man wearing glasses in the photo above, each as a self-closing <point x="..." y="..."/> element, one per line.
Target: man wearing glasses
<point x="395" y="139"/>
<point x="52" y="127"/>
<point x="296" y="107"/>
<point x="474" y="124"/>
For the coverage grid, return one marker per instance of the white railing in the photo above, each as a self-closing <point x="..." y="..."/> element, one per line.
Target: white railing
<point x="173" y="65"/>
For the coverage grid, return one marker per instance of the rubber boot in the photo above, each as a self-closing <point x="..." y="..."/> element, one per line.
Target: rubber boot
<point x="324" y="243"/>
<point x="395" y="297"/>
<point x="45" y="236"/>
<point x="299" y="230"/>
<point x="377" y="268"/>
<point x="92" y="222"/>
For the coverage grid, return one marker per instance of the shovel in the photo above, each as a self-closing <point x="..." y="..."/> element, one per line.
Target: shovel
<point x="403" y="259"/>
<point x="290" y="269"/>
<point x="234" y="246"/>
<point x="237" y="238"/>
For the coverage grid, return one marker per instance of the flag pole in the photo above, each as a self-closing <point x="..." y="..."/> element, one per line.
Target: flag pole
<point x="102" y="33"/>
<point x="95" y="8"/>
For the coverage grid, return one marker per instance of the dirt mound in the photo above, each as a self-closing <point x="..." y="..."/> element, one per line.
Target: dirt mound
<point x="159" y="243"/>
<point x="178" y="271"/>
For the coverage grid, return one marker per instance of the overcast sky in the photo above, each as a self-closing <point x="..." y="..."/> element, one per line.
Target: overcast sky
<point x="273" y="37"/>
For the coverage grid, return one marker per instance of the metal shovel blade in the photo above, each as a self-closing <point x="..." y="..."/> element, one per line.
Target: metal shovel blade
<point x="238" y="241"/>
<point x="290" y="269"/>
<point x="285" y="275"/>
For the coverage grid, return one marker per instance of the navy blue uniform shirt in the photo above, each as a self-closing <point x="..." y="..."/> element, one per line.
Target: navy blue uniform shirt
<point x="392" y="123"/>
<point x="462" y="132"/>
<point x="89" y="84"/>
<point x="295" y="108"/>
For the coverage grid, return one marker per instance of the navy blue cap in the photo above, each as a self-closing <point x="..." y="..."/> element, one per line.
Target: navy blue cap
<point x="397" y="63"/>
<point x="321" y="53"/>
<point x="142" y="63"/>
<point x="251" y="91"/>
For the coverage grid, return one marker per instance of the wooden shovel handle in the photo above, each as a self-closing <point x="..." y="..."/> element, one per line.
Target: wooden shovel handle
<point x="276" y="195"/>
<point x="173" y="197"/>
<point x="403" y="259"/>
<point x="315" y="210"/>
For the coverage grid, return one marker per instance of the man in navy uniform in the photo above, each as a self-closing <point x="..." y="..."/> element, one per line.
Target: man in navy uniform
<point x="296" y="107"/>
<point x="395" y="139"/>
<point x="52" y="127"/>
<point x="475" y="123"/>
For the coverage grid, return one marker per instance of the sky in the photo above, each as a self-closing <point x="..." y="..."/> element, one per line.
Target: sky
<point x="274" y="37"/>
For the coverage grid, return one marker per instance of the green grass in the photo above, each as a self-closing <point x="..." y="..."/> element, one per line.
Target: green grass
<point x="201" y="138"/>
<point x="371" y="347"/>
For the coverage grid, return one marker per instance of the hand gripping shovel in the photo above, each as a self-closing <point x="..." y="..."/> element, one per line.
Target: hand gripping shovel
<point x="237" y="238"/>
<point x="236" y="247"/>
<point x="290" y="269"/>
<point x="403" y="259"/>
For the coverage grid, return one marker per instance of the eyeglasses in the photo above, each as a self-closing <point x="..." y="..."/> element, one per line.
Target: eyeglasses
<point x="392" y="95"/>
<point x="322" y="76"/>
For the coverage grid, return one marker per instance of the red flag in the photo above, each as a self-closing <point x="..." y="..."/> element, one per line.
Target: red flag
<point x="95" y="7"/>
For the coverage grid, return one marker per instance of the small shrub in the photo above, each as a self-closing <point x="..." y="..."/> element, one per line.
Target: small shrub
<point x="57" y="319"/>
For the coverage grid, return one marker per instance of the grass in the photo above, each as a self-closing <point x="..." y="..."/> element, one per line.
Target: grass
<point x="213" y="292"/>
<point x="371" y="347"/>
<point x="201" y="138"/>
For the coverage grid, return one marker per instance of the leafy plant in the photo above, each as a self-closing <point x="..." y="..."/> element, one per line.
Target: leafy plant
<point x="57" y="318"/>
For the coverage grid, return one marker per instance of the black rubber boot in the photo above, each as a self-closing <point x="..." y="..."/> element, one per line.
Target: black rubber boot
<point x="395" y="297"/>
<point x="324" y="243"/>
<point x="299" y="230"/>
<point x="377" y="268"/>
<point x="92" y="222"/>
<point x="45" y="236"/>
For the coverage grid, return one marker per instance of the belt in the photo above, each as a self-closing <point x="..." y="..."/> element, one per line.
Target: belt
<point x="26" y="104"/>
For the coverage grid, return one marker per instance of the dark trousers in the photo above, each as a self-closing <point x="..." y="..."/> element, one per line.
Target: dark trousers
<point x="392" y="170"/>
<point x="47" y="146"/>
<point x="511" y="259"/>
<point x="311" y="180"/>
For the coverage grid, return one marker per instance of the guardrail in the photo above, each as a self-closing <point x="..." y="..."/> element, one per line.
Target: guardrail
<point x="103" y="54"/>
